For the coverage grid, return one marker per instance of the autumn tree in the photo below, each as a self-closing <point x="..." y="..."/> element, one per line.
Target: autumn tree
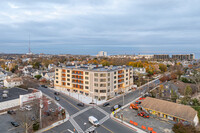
<point x="162" y="67"/>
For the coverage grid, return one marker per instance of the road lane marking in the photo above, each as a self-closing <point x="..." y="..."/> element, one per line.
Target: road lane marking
<point x="68" y="101"/>
<point x="107" y="129"/>
<point x="71" y="103"/>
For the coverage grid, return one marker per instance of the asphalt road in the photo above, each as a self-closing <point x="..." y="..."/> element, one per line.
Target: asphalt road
<point x="108" y="126"/>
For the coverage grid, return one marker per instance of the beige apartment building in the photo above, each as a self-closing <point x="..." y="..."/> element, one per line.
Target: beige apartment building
<point x="95" y="81"/>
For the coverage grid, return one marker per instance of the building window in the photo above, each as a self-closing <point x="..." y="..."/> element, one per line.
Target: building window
<point x="102" y="91"/>
<point x="108" y="79"/>
<point x="96" y="74"/>
<point x="86" y="77"/>
<point x="63" y="83"/>
<point x="68" y="79"/>
<point x="114" y="82"/>
<point x="86" y="82"/>
<point x="68" y="84"/>
<point x="95" y="84"/>
<point x="102" y="80"/>
<point x="86" y="73"/>
<point x="96" y="79"/>
<point x="56" y="73"/>
<point x="103" y="97"/>
<point x="95" y="90"/>
<point x="115" y="72"/>
<point x="68" y="71"/>
<point x="56" y="77"/>
<point x="108" y="84"/>
<point x="68" y="75"/>
<point x="56" y="69"/>
<point x="127" y="74"/>
<point x="102" y="85"/>
<point x="56" y="81"/>
<point x="127" y="70"/>
<point x="126" y="78"/>
<point x="108" y="74"/>
<point x="103" y="75"/>
<point x="114" y="86"/>
<point x="86" y="87"/>
<point x="114" y="77"/>
<point x="126" y="82"/>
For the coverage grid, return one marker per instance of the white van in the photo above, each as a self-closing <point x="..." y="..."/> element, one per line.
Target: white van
<point x="93" y="120"/>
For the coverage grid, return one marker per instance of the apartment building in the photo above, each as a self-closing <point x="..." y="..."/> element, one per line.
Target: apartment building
<point x="95" y="81"/>
<point x="183" y="56"/>
<point x="161" y="57"/>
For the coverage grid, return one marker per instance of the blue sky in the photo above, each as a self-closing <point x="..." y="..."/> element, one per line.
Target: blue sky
<point x="149" y="23"/>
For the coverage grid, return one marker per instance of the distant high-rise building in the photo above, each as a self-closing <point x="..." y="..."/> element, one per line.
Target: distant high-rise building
<point x="102" y="53"/>
<point x="183" y="57"/>
<point x="161" y="57"/>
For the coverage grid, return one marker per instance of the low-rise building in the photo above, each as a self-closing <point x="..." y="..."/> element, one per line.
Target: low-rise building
<point x="95" y="81"/>
<point x="12" y="82"/>
<point x="171" y="111"/>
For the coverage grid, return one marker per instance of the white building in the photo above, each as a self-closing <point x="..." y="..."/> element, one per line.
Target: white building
<point x="102" y="53"/>
<point x="95" y="81"/>
<point x="12" y="82"/>
<point x="139" y="70"/>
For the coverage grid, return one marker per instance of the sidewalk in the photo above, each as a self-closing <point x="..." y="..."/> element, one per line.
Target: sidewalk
<point x="56" y="123"/>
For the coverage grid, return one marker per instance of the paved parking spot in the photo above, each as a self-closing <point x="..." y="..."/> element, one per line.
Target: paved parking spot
<point x="6" y="127"/>
<point x="158" y="125"/>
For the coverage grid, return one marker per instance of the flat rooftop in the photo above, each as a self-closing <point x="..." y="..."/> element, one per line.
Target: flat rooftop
<point x="13" y="93"/>
<point x="97" y="67"/>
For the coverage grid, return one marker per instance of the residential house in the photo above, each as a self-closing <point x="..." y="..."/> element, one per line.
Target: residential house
<point x="170" y="111"/>
<point x="51" y="66"/>
<point x="12" y="82"/>
<point x="140" y="70"/>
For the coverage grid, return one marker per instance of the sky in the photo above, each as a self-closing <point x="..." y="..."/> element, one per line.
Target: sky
<point x="90" y="25"/>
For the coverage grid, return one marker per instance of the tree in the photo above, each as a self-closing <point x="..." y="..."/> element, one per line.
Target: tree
<point x="173" y="96"/>
<point x="38" y="77"/>
<point x="162" y="67"/>
<point x="188" y="91"/>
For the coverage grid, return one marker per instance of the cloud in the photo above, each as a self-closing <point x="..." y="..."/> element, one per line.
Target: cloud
<point x="100" y="22"/>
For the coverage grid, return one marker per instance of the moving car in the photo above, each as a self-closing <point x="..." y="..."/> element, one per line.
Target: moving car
<point x="93" y="121"/>
<point x="57" y="98"/>
<point x="15" y="124"/>
<point x="117" y="106"/>
<point x="11" y="112"/>
<point x="106" y="104"/>
<point x="56" y="93"/>
<point x="81" y="104"/>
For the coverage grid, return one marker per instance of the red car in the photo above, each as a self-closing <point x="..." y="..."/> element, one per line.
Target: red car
<point x="141" y="98"/>
<point x="143" y="114"/>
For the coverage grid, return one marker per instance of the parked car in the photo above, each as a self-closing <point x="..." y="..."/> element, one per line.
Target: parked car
<point x="49" y="102"/>
<point x="81" y="104"/>
<point x="57" y="98"/>
<point x="15" y="124"/>
<point x="11" y="112"/>
<point x="56" y="93"/>
<point x="106" y="104"/>
<point x="117" y="106"/>
<point x="138" y="102"/>
<point x="93" y="121"/>
<point x="28" y="107"/>
<point x="44" y="86"/>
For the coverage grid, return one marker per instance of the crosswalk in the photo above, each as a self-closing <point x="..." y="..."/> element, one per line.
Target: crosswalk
<point x="80" y="112"/>
<point x="76" y="126"/>
<point x="101" y="110"/>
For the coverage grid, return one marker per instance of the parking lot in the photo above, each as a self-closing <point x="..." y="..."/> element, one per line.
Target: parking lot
<point x="6" y="127"/>
<point x="160" y="126"/>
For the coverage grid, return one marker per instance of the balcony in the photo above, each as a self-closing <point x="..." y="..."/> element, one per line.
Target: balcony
<point x="77" y="78"/>
<point x="120" y="77"/>
<point x="77" y="74"/>
<point x="77" y="83"/>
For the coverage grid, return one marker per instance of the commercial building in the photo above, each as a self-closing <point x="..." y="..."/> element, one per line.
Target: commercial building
<point x="95" y="81"/>
<point x="183" y="57"/>
<point x="171" y="111"/>
<point x="161" y="57"/>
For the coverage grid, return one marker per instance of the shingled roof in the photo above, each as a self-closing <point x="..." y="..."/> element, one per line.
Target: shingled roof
<point x="170" y="108"/>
